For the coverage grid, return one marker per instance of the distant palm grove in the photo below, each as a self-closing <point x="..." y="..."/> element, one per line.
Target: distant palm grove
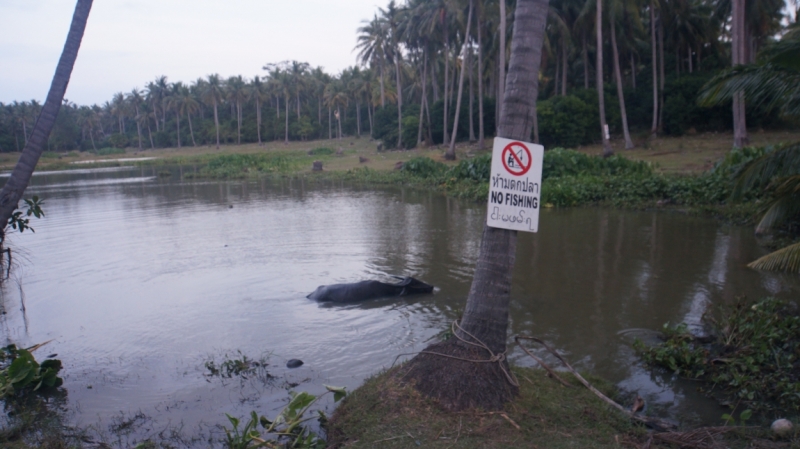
<point x="429" y="73"/>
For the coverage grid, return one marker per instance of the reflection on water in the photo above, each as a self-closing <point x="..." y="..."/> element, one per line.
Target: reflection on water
<point x="140" y="278"/>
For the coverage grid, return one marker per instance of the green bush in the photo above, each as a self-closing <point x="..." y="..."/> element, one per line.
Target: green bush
<point x="752" y="359"/>
<point x="559" y="162"/>
<point x="118" y="140"/>
<point x="566" y="122"/>
<point x="242" y="165"/>
<point x="476" y="169"/>
<point x="424" y="167"/>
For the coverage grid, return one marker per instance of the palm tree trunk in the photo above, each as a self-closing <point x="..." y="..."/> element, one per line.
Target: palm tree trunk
<point x="689" y="54"/>
<point x="298" y="103"/>
<point x="460" y="384"/>
<point x="557" y="77"/>
<point x="238" y="123"/>
<point x="607" y="151"/>
<point x="501" y="58"/>
<point x="138" y="128"/>
<point x="178" y="117"/>
<point x="738" y="53"/>
<point x="535" y="124"/>
<point x="450" y="155"/>
<point x="662" y="75"/>
<point x="91" y="136"/>
<point x="399" y="102"/>
<point x="216" y="121"/>
<point x="479" y="30"/>
<point x="330" y="129"/>
<point x="339" y="121"/>
<point x="358" y="119"/>
<point x="383" y="94"/>
<point x="155" y="116"/>
<point x="258" y="119"/>
<point x="654" y="64"/>
<point x="633" y="73"/>
<point x="20" y="177"/>
<point x="618" y="75"/>
<point x="585" y="64"/>
<point x="422" y="101"/>
<point x="369" y="116"/>
<point x="191" y="131"/>
<point x="564" y="61"/>
<point x="149" y="133"/>
<point x="445" y="138"/>
<point x="286" y="127"/>
<point x="471" y="95"/>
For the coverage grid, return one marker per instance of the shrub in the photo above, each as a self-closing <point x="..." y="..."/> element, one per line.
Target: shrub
<point x="476" y="169"/>
<point x="424" y="167"/>
<point x="566" y="122"/>
<point x="118" y="140"/>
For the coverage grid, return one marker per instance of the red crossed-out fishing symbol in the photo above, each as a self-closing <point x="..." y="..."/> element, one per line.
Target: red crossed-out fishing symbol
<point x="517" y="158"/>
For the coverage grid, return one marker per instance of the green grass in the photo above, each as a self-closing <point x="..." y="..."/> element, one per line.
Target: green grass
<point x="385" y="413"/>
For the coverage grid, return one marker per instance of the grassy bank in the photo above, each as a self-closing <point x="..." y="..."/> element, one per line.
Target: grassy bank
<point x="386" y="413"/>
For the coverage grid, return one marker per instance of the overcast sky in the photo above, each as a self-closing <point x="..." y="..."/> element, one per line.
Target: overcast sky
<point x="129" y="42"/>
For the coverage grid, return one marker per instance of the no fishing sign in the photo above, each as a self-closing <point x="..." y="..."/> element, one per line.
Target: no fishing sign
<point x="515" y="185"/>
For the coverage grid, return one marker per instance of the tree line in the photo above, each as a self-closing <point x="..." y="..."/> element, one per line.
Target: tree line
<point x="429" y="71"/>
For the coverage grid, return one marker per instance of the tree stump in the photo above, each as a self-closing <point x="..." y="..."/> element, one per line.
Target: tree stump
<point x="317" y="166"/>
<point x="362" y="160"/>
<point x="398" y="165"/>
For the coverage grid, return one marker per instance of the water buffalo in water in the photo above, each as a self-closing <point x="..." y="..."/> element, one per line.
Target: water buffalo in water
<point x="364" y="290"/>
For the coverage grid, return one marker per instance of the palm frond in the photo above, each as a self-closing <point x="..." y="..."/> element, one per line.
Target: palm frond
<point x="783" y="208"/>
<point x="782" y="162"/>
<point x="769" y="84"/>
<point x="785" y="259"/>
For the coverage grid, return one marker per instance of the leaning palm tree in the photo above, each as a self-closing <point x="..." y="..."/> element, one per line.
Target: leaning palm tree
<point x="21" y="175"/>
<point x="775" y="82"/>
<point x="451" y="371"/>
<point x="372" y="48"/>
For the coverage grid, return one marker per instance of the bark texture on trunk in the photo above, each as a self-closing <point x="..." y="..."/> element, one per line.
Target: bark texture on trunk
<point x="37" y="142"/>
<point x="618" y="75"/>
<point x="601" y="101"/>
<point x="654" y="126"/>
<point x="479" y="15"/>
<point x="738" y="56"/>
<point x="459" y="384"/>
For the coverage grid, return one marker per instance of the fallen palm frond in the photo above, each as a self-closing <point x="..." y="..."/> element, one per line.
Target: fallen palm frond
<point x="702" y="438"/>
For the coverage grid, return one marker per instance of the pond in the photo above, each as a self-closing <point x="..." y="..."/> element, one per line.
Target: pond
<point x="143" y="279"/>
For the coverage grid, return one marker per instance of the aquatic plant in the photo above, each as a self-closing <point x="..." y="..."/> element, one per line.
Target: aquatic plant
<point x="21" y="373"/>
<point x="287" y="428"/>
<point x="751" y="360"/>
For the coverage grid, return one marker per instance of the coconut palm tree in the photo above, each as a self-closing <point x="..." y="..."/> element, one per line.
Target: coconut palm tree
<point x="335" y="99"/>
<point x="775" y="82"/>
<point x="392" y="17"/>
<point x="237" y="93"/>
<point x="258" y="92"/>
<point x="136" y="100"/>
<point x="607" y="151"/>
<point x="18" y="180"/>
<point x="436" y="372"/>
<point x="212" y="94"/>
<point x="373" y="40"/>
<point x="451" y="151"/>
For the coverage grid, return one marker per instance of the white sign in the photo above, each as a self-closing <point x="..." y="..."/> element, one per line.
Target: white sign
<point x="515" y="185"/>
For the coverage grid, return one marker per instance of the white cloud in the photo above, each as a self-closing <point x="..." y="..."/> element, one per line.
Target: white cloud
<point x="128" y="43"/>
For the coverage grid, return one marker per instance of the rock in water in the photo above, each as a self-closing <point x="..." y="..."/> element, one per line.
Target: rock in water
<point x="781" y="427"/>
<point x="294" y="363"/>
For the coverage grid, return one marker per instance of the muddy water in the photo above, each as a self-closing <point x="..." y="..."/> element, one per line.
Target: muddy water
<point x="141" y="279"/>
